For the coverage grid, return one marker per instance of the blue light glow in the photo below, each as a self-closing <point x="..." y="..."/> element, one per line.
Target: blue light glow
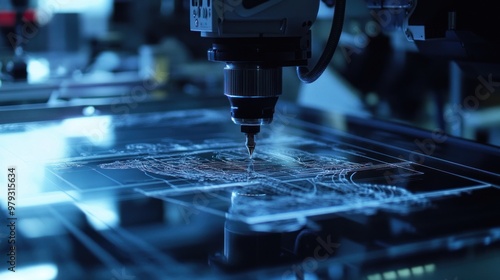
<point x="40" y="272"/>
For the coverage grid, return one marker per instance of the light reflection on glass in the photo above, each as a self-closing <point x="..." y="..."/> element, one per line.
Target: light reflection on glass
<point x="28" y="152"/>
<point x="40" y="227"/>
<point x="97" y="130"/>
<point x="75" y="6"/>
<point x="50" y="198"/>
<point x="47" y="271"/>
<point x="101" y="213"/>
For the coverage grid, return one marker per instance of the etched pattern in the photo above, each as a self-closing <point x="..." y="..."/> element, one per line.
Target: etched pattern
<point x="276" y="180"/>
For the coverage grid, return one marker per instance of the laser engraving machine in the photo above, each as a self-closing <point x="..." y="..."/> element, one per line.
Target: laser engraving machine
<point x="256" y="38"/>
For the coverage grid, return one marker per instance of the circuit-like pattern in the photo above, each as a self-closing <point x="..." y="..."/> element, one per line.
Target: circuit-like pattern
<point x="276" y="180"/>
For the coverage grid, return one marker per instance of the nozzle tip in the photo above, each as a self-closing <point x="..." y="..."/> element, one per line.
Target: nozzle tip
<point x="250" y="144"/>
<point x="250" y="151"/>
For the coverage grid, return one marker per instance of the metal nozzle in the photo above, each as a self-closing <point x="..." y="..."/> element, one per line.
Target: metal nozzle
<point x="250" y="143"/>
<point x="252" y="91"/>
<point x="250" y="131"/>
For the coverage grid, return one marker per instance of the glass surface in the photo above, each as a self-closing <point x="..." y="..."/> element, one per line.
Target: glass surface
<point x="150" y="186"/>
<point x="197" y="158"/>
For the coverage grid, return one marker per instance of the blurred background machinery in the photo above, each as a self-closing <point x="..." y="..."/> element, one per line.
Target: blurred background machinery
<point x="432" y="65"/>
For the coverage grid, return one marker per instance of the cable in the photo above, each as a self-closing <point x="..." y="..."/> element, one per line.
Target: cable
<point x="303" y="72"/>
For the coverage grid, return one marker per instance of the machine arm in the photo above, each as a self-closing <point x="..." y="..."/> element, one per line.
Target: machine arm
<point x="255" y="39"/>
